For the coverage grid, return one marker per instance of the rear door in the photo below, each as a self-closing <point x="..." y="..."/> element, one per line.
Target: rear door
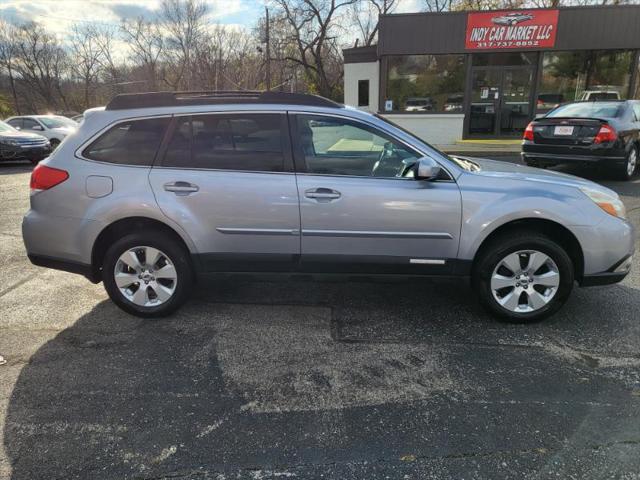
<point x="227" y="180"/>
<point x="361" y="210"/>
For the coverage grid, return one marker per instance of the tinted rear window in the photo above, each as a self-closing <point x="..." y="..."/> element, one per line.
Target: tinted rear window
<point x="588" y="110"/>
<point x="129" y="143"/>
<point x="253" y="142"/>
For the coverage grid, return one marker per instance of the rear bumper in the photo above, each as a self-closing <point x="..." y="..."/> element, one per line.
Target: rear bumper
<point x="65" y="266"/>
<point x="556" y="158"/>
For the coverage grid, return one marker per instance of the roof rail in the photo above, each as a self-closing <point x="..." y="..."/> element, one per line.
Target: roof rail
<point x="218" y="97"/>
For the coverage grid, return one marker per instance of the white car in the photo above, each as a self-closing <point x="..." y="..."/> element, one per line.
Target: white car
<point x="54" y="127"/>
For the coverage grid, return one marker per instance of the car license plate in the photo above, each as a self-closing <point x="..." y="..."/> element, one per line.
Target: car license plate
<point x="563" y="131"/>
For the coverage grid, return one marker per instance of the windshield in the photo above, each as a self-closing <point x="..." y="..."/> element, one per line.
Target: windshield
<point x="6" y="128"/>
<point x="588" y="110"/>
<point x="57" y="122"/>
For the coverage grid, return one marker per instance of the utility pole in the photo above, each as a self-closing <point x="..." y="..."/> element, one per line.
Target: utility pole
<point x="267" y="50"/>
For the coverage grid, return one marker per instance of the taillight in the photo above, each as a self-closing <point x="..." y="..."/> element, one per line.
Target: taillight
<point x="606" y="134"/>
<point x="43" y="177"/>
<point x="528" y="132"/>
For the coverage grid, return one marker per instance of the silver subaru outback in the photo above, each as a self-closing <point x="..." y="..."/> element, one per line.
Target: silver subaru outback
<point x="155" y="189"/>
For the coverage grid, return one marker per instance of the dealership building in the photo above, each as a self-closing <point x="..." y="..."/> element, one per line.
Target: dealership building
<point x="486" y="74"/>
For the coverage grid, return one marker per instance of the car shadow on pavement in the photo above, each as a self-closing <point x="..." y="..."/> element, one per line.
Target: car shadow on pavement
<point x="292" y="374"/>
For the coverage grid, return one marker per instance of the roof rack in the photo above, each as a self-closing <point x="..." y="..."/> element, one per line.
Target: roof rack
<point x="219" y="97"/>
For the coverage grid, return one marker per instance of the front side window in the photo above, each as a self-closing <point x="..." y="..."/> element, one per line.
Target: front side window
<point x="30" y="124"/>
<point x="335" y="146"/>
<point x="252" y="142"/>
<point x="15" y="123"/>
<point x="135" y="142"/>
<point x="425" y="83"/>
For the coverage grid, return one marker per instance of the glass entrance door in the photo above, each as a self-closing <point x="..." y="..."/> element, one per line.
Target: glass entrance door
<point x="485" y="97"/>
<point x="515" y="107"/>
<point x="500" y="101"/>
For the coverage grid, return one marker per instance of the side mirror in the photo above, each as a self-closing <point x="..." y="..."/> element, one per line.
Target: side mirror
<point x="38" y="128"/>
<point x="18" y="128"/>
<point x="426" y="168"/>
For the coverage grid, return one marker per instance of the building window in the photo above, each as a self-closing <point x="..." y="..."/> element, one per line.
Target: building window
<point x="584" y="75"/>
<point x="425" y="84"/>
<point x="363" y="93"/>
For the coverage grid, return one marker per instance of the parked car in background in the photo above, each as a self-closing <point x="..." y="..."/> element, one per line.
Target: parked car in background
<point x="454" y="104"/>
<point x="549" y="100"/>
<point x="597" y="95"/>
<point x="16" y="145"/>
<point x="606" y="134"/>
<point x="420" y="104"/>
<point x="158" y="188"/>
<point x="53" y="127"/>
<point x="78" y="118"/>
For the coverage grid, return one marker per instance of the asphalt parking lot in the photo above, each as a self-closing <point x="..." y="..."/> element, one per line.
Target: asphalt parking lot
<point x="310" y="379"/>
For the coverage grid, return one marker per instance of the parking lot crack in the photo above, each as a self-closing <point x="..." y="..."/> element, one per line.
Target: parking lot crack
<point x="18" y="284"/>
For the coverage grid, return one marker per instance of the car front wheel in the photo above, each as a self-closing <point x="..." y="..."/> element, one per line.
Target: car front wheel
<point x="147" y="275"/>
<point x="523" y="277"/>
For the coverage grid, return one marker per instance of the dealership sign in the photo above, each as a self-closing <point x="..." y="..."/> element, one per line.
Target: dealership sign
<point x="511" y="29"/>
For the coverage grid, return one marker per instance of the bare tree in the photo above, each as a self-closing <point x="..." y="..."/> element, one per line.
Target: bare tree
<point x="186" y="25"/>
<point x="7" y="58"/>
<point x="365" y="15"/>
<point x="312" y="27"/>
<point x="146" y="45"/>
<point x="41" y="64"/>
<point x="88" y="52"/>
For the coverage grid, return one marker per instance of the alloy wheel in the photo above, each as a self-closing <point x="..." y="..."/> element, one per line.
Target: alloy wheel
<point x="632" y="162"/>
<point x="525" y="281"/>
<point x="145" y="276"/>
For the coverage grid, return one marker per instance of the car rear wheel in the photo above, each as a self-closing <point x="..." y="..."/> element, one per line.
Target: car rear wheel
<point x="629" y="168"/>
<point x="523" y="277"/>
<point x="147" y="275"/>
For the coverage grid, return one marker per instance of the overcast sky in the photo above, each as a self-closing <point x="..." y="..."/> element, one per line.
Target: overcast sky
<point x="58" y="15"/>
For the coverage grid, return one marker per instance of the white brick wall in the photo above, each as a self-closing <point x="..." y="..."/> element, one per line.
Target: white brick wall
<point x="361" y="71"/>
<point x="437" y="129"/>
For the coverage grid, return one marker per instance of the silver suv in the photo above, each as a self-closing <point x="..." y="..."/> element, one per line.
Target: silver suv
<point x="157" y="188"/>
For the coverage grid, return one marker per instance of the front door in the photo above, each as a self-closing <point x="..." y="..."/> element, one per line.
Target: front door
<point x="500" y="101"/>
<point x="360" y="208"/>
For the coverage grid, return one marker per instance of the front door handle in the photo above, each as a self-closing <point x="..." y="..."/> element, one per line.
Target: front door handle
<point x="181" y="188"/>
<point x="322" y="194"/>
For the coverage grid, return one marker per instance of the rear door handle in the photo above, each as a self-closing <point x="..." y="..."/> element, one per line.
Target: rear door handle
<point x="325" y="194"/>
<point x="181" y="188"/>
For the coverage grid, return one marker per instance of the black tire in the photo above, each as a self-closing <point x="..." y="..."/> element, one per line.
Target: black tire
<point x="54" y="143"/>
<point x="623" y="172"/>
<point x="504" y="245"/>
<point x="173" y="250"/>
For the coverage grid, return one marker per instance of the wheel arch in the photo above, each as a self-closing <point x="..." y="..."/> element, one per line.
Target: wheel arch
<point x="121" y="227"/>
<point x="554" y="230"/>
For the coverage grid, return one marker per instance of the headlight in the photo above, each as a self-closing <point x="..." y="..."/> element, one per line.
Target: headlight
<point x="607" y="202"/>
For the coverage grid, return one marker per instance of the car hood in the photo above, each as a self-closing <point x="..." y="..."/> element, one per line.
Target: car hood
<point x="20" y="136"/>
<point x="498" y="169"/>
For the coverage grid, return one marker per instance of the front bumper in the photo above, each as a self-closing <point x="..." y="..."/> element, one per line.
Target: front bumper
<point x="615" y="274"/>
<point x="16" y="152"/>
